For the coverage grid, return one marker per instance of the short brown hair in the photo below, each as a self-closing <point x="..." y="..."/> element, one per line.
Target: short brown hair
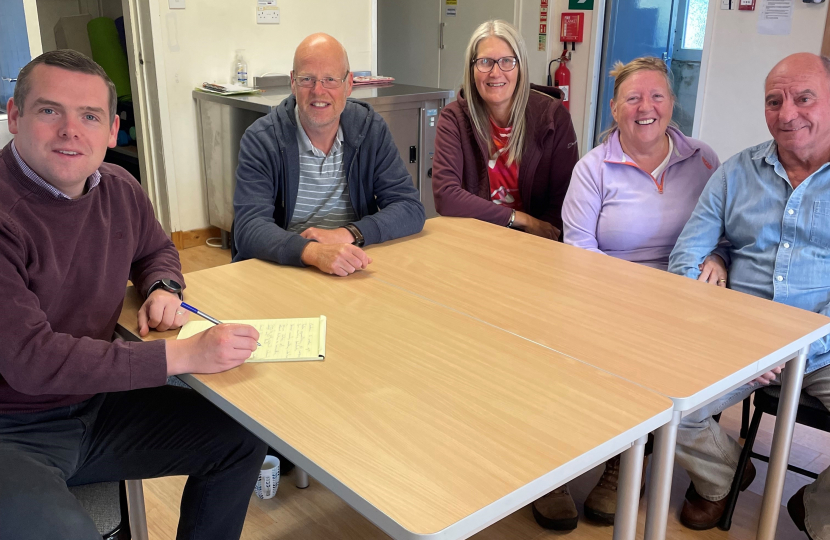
<point x="65" y="59"/>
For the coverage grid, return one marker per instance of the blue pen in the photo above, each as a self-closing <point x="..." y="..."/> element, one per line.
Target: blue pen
<point x="203" y="315"/>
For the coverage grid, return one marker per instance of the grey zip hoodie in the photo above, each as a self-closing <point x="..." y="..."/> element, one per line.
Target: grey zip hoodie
<point x="383" y="196"/>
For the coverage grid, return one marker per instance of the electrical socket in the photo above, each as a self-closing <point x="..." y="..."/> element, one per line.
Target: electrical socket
<point x="175" y="4"/>
<point x="267" y="15"/>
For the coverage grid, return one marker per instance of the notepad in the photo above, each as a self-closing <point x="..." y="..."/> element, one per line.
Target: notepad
<point x="283" y="340"/>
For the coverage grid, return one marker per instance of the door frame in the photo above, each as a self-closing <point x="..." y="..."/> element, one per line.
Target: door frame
<point x="594" y="86"/>
<point x="153" y="134"/>
<point x="704" y="67"/>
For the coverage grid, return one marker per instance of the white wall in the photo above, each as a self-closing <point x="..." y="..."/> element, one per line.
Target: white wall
<point x="527" y="21"/>
<point x="732" y="116"/>
<point x="581" y="66"/>
<point x="198" y="45"/>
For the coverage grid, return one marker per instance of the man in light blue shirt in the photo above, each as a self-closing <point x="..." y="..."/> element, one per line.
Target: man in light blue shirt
<point x="772" y="203"/>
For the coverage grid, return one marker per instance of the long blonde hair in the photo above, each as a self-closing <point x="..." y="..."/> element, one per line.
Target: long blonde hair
<point x="478" y="108"/>
<point x="621" y="72"/>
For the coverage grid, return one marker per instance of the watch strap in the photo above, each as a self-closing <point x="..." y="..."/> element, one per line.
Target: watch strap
<point x="358" y="236"/>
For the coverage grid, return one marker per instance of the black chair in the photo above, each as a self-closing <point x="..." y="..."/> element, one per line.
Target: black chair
<point x="811" y="412"/>
<point x="106" y="502"/>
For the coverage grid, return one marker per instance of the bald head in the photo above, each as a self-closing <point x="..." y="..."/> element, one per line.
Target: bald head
<point x="797" y="108"/>
<point x="800" y="63"/>
<point x="320" y="46"/>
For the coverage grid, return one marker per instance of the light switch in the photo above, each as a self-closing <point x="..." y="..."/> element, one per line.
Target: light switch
<point x="175" y="4"/>
<point x="726" y="4"/>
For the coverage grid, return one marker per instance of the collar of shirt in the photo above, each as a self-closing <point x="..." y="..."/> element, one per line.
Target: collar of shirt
<point x="305" y="143"/>
<point x="770" y="156"/>
<point x="91" y="182"/>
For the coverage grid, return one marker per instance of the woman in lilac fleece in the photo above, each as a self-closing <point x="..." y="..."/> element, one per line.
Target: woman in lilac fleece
<point x="631" y="196"/>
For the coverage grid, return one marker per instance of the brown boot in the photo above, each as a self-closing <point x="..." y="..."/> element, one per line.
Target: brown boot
<point x="601" y="504"/>
<point x="556" y="510"/>
<point x="700" y="514"/>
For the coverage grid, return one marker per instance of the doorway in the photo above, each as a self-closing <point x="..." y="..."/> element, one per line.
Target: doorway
<point x="422" y="42"/>
<point x="57" y="24"/>
<point x="673" y="31"/>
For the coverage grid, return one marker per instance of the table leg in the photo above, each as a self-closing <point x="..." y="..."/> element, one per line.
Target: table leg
<point x="782" y="439"/>
<point x="659" y="489"/>
<point x="135" y="504"/>
<point x="300" y="478"/>
<point x="628" y="491"/>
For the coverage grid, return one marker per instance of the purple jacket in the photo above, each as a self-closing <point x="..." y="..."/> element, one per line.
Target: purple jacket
<point x="460" y="182"/>
<point x="614" y="207"/>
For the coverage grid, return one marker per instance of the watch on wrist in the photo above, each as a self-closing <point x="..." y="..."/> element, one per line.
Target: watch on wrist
<point x="168" y="285"/>
<point x="358" y="236"/>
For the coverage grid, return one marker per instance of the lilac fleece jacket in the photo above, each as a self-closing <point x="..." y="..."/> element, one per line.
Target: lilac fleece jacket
<point x="614" y="207"/>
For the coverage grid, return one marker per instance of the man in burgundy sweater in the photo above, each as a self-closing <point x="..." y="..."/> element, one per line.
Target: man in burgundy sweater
<point x="76" y="408"/>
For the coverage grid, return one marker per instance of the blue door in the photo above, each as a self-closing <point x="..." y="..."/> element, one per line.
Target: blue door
<point x="14" y="46"/>
<point x="633" y="28"/>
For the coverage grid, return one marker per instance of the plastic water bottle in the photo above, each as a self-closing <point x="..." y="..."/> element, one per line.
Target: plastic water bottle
<point x="241" y="68"/>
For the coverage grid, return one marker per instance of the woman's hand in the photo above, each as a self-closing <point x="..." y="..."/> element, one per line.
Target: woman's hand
<point x="531" y="225"/>
<point x="713" y="271"/>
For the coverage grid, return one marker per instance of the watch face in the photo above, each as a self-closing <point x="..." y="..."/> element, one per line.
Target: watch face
<point x="171" y="285"/>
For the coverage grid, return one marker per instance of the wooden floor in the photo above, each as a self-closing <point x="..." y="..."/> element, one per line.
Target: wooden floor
<point x="317" y="514"/>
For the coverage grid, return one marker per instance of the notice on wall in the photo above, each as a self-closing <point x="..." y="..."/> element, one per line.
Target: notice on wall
<point x="451" y="12"/>
<point x="775" y="18"/>
<point x="543" y="42"/>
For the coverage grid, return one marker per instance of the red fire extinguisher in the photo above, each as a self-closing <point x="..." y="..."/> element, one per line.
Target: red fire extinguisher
<point x="562" y="79"/>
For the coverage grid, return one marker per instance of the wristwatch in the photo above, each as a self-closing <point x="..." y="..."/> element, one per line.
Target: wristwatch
<point x="168" y="285"/>
<point x="358" y="236"/>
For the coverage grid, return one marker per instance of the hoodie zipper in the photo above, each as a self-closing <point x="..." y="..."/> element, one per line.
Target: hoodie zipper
<point x="656" y="183"/>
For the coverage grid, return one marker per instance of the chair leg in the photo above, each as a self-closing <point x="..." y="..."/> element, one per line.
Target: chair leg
<point x="138" y="517"/>
<point x="726" y="520"/>
<point x="745" y="418"/>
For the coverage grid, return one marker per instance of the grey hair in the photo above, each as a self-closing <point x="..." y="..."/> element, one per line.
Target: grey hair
<point x="478" y="108"/>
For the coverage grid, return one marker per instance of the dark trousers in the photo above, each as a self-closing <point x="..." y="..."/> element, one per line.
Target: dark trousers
<point x="132" y="435"/>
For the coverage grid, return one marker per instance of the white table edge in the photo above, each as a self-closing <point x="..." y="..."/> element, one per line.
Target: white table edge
<point x="691" y="403"/>
<point x="467" y="526"/>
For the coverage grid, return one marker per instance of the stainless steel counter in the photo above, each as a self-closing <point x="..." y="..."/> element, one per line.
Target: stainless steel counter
<point x="373" y="95"/>
<point x="410" y="111"/>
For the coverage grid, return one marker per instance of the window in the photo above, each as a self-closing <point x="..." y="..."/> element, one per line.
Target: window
<point x="695" y="27"/>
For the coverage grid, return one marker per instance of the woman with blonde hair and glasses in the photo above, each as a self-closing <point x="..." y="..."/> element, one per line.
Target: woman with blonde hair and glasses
<point x="631" y="196"/>
<point x="505" y="149"/>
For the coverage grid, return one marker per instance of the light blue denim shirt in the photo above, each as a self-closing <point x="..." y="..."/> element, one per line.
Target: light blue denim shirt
<point x="779" y="236"/>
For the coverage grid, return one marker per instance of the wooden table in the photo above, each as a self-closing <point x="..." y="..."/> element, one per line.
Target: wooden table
<point x="428" y="422"/>
<point x="684" y="339"/>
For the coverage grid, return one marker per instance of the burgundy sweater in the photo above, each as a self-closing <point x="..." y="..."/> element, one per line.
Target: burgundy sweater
<point x="64" y="266"/>
<point x="460" y="182"/>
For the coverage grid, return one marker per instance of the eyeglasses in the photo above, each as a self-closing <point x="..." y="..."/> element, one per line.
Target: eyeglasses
<point x="327" y="82"/>
<point x="486" y="65"/>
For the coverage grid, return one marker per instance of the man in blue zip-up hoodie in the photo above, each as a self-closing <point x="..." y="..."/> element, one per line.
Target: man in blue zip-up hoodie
<point x="319" y="177"/>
